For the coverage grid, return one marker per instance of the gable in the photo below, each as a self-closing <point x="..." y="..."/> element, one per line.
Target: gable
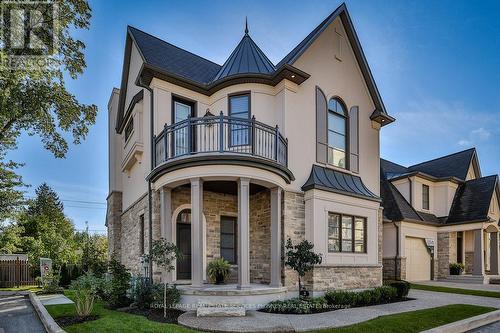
<point x="346" y="36"/>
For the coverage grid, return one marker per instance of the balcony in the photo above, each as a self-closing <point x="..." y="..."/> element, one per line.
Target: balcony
<point x="221" y="140"/>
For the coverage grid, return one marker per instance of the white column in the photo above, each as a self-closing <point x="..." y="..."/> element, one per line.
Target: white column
<point x="166" y="220"/>
<point x="196" y="232"/>
<point x="243" y="233"/>
<point x="478" y="262"/>
<point x="494" y="253"/>
<point x="276" y="237"/>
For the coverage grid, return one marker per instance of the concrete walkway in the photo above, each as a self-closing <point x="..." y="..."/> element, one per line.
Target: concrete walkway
<point x="259" y="321"/>
<point x="17" y="315"/>
<point x="54" y="299"/>
<point x="472" y="286"/>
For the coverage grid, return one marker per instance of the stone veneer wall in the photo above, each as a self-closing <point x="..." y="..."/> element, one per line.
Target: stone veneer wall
<point x="130" y="234"/>
<point x="469" y="260"/>
<point x="443" y="254"/>
<point x="260" y="237"/>
<point x="325" y="277"/>
<point x="113" y="219"/>
<point x="216" y="205"/>
<point x="293" y="215"/>
<point x="394" y="269"/>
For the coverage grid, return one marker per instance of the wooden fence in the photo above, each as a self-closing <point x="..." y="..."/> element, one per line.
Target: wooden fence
<point x="15" y="273"/>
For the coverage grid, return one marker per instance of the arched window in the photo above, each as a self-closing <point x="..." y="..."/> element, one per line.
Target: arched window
<point x="337" y="133"/>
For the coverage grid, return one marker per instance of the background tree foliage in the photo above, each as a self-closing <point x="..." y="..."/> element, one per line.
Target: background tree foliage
<point x="36" y="101"/>
<point x="46" y="231"/>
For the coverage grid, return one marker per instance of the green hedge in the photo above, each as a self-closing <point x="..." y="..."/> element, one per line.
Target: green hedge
<point x="297" y="306"/>
<point x="345" y="298"/>
<point x="402" y="287"/>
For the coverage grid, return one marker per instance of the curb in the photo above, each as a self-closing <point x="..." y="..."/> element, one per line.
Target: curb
<point x="467" y="324"/>
<point x="48" y="322"/>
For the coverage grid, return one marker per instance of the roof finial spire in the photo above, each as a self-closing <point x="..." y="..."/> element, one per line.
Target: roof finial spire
<point x="246" y="25"/>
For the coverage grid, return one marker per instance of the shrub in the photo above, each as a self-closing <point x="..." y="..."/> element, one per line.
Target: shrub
<point x="341" y="297"/>
<point x="379" y="295"/>
<point x="303" y="305"/>
<point x="143" y="293"/>
<point x="218" y="270"/>
<point x="85" y="289"/>
<point x="388" y="294"/>
<point x="117" y="287"/>
<point x="173" y="295"/>
<point x="50" y="283"/>
<point x="456" y="268"/>
<point x="402" y="288"/>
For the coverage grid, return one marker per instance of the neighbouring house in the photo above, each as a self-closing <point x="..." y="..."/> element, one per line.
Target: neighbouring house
<point x="440" y="212"/>
<point x="231" y="160"/>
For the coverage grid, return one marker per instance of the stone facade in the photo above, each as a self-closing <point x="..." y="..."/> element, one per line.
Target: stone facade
<point x="131" y="232"/>
<point x="394" y="268"/>
<point x="113" y="219"/>
<point x="325" y="277"/>
<point x="443" y="254"/>
<point x="293" y="217"/>
<point x="346" y="277"/>
<point x="216" y="205"/>
<point x="469" y="262"/>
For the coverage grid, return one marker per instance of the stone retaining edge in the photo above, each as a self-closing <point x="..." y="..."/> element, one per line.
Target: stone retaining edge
<point x="48" y="322"/>
<point x="467" y="324"/>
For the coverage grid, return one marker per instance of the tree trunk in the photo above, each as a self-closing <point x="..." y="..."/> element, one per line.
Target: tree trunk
<point x="300" y="288"/>
<point x="165" y="300"/>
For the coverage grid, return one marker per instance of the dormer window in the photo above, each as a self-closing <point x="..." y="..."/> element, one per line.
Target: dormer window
<point x="425" y="197"/>
<point x="337" y="133"/>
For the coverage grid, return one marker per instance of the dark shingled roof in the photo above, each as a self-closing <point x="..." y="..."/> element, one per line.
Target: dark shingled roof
<point x="472" y="200"/>
<point x="396" y="208"/>
<point x="454" y="165"/>
<point x="338" y="182"/>
<point x="172" y="59"/>
<point x="246" y="58"/>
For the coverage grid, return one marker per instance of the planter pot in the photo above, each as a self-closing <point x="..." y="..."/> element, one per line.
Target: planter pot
<point x="455" y="271"/>
<point x="219" y="279"/>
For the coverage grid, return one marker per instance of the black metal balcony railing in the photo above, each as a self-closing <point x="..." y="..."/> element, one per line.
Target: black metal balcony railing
<point x="220" y="135"/>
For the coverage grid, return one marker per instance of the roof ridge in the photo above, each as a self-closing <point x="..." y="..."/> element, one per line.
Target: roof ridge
<point x="442" y="157"/>
<point x="177" y="47"/>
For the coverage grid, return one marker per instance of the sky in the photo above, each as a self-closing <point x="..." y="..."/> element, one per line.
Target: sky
<point x="436" y="64"/>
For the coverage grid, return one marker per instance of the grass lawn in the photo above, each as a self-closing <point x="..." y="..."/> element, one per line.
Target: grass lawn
<point x="415" y="321"/>
<point x="111" y="321"/>
<point x="484" y="293"/>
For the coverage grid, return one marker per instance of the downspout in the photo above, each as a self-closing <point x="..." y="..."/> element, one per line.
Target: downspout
<point x="150" y="191"/>
<point x="397" y="253"/>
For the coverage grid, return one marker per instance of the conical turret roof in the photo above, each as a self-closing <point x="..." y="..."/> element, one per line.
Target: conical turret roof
<point x="246" y="58"/>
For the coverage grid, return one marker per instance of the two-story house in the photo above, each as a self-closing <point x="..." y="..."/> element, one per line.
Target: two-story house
<point x="232" y="160"/>
<point x="437" y="213"/>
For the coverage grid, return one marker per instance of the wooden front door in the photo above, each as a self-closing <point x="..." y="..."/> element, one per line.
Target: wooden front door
<point x="184" y="244"/>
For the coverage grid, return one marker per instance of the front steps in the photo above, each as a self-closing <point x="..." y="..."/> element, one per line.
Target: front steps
<point x="473" y="279"/>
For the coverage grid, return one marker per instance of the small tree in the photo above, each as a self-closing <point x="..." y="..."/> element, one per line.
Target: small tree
<point x="164" y="254"/>
<point x="301" y="258"/>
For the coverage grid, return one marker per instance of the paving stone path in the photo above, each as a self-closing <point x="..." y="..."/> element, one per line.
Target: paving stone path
<point x="17" y="315"/>
<point x="260" y="322"/>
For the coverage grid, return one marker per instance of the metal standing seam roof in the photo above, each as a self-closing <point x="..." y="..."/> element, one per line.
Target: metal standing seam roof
<point x="326" y="179"/>
<point x="247" y="57"/>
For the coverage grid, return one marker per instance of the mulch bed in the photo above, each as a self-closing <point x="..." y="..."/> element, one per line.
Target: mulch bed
<point x="157" y="314"/>
<point x="72" y="320"/>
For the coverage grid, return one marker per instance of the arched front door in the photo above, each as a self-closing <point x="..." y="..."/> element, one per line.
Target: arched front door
<point x="184" y="244"/>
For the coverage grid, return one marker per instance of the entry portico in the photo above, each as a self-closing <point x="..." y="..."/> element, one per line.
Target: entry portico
<point x="245" y="189"/>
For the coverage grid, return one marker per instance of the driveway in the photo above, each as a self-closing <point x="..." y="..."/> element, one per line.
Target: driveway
<point x="17" y="315"/>
<point x="472" y="286"/>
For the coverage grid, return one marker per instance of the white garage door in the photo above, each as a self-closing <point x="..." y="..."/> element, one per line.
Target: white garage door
<point x="418" y="260"/>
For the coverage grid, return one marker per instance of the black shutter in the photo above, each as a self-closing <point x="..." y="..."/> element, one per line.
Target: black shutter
<point x="321" y="127"/>
<point x="354" y="139"/>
